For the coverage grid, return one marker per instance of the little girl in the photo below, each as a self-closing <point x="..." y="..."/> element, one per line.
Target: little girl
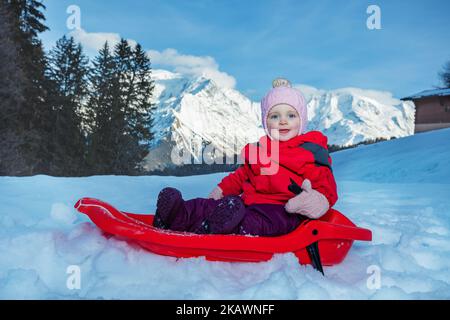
<point x="255" y="199"/>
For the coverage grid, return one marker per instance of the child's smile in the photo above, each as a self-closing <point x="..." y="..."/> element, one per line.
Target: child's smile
<point x="283" y="122"/>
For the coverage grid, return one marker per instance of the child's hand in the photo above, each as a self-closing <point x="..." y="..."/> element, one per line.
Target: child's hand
<point x="216" y="194"/>
<point x="309" y="203"/>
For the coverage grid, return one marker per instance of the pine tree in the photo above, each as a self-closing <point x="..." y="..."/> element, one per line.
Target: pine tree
<point x="444" y="75"/>
<point x="135" y="92"/>
<point x="28" y="127"/>
<point x="68" y="72"/>
<point x="122" y="90"/>
<point x="145" y="86"/>
<point x="122" y="143"/>
<point x="139" y="107"/>
<point x="12" y="84"/>
<point x="99" y="113"/>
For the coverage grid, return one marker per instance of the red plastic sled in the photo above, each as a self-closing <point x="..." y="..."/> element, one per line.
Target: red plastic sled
<point x="332" y="236"/>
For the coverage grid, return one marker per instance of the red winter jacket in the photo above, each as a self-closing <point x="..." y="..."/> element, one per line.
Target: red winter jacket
<point x="301" y="164"/>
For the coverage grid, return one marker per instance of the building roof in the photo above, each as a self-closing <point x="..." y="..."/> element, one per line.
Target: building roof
<point x="428" y="93"/>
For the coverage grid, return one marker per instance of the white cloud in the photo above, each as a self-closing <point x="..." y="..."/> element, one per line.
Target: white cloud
<point x="96" y="40"/>
<point x="189" y="65"/>
<point x="192" y="65"/>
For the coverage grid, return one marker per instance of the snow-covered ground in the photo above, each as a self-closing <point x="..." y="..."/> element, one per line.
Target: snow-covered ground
<point x="400" y="189"/>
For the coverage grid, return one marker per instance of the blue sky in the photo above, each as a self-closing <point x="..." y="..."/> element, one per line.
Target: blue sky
<point x="246" y="43"/>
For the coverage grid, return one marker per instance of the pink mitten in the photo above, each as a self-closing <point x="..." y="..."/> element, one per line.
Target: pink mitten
<point x="310" y="203"/>
<point x="216" y="194"/>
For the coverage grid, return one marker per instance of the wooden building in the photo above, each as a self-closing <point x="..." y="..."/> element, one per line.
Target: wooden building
<point x="432" y="109"/>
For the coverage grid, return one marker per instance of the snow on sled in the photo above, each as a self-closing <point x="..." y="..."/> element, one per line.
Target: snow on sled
<point x="318" y="242"/>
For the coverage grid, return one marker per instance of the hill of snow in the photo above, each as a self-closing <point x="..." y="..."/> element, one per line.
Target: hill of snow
<point x="399" y="189"/>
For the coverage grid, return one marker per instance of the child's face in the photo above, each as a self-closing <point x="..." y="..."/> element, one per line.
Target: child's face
<point x="283" y="122"/>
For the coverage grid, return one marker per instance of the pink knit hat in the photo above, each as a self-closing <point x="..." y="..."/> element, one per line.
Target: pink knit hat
<point x="282" y="92"/>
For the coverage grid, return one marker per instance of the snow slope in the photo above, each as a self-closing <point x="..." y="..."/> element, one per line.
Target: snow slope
<point x="399" y="189"/>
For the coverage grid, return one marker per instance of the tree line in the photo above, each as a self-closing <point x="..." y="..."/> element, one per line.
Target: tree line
<point x="63" y="115"/>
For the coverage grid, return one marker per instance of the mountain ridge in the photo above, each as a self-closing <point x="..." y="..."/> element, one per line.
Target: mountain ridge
<point x="193" y="112"/>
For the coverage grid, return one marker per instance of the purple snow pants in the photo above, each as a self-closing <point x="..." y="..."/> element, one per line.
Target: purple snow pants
<point x="259" y="219"/>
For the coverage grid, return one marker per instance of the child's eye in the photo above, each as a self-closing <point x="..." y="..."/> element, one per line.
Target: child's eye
<point x="274" y="116"/>
<point x="292" y="115"/>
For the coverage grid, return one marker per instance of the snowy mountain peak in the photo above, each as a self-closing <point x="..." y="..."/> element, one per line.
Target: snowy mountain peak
<point x="195" y="110"/>
<point x="351" y="115"/>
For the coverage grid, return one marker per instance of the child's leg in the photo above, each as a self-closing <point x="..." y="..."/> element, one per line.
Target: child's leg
<point x="225" y="216"/>
<point x="196" y="211"/>
<point x="174" y="213"/>
<point x="170" y="203"/>
<point x="209" y="216"/>
<point x="229" y="215"/>
<point x="268" y="220"/>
